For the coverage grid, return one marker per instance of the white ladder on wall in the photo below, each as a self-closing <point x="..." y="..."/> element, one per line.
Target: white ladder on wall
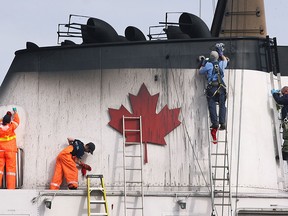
<point x="272" y="53"/>
<point x="221" y="197"/>
<point x="133" y="167"/>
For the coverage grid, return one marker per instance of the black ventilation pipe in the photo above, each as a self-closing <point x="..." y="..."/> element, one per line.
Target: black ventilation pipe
<point x="134" y="34"/>
<point x="98" y="31"/>
<point x="31" y="46"/>
<point x="174" y="32"/>
<point x="193" y="26"/>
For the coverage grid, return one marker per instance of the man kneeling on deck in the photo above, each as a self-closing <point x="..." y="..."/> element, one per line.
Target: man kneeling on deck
<point x="66" y="163"/>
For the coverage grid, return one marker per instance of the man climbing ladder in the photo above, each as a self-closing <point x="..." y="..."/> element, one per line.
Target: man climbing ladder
<point x="283" y="100"/>
<point x="216" y="88"/>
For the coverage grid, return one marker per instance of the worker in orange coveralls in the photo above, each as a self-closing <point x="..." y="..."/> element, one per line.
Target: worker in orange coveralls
<point x="66" y="164"/>
<point x="8" y="148"/>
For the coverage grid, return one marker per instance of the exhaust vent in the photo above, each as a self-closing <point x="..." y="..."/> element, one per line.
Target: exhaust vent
<point x="98" y="31"/>
<point x="193" y="26"/>
<point x="134" y="34"/>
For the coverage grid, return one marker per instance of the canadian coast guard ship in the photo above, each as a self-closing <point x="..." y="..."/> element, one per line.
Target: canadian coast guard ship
<point x="140" y="100"/>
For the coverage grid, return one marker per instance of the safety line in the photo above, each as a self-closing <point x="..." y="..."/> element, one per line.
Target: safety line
<point x="186" y="130"/>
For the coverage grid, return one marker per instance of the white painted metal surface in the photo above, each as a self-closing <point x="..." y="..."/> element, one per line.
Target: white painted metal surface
<point x="54" y="106"/>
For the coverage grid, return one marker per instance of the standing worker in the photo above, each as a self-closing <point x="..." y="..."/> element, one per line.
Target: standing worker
<point x="283" y="100"/>
<point x="66" y="163"/>
<point x="8" y="148"/>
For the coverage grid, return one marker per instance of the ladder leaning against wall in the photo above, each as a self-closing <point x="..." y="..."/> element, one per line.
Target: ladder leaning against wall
<point x="221" y="197"/>
<point x="275" y="79"/>
<point x="133" y="166"/>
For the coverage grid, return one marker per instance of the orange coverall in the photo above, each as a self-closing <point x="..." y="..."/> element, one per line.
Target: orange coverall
<point x="8" y="152"/>
<point x="65" y="164"/>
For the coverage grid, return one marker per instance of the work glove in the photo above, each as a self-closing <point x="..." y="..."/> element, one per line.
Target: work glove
<point x="220" y="49"/>
<point x="275" y="91"/>
<point x="83" y="171"/>
<point x="202" y="60"/>
<point x="86" y="166"/>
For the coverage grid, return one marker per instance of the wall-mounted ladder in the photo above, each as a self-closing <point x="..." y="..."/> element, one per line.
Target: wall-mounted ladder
<point x="99" y="194"/>
<point x="220" y="176"/>
<point x="275" y="76"/>
<point x="133" y="166"/>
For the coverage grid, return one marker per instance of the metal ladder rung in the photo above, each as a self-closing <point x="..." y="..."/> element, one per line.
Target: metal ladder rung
<point x="132" y="130"/>
<point x="131" y="169"/>
<point x="220" y="167"/>
<point x="222" y="204"/>
<point x="219" y="141"/>
<point x="219" y="154"/>
<point x="218" y="179"/>
<point x="96" y="189"/>
<point x="131" y="117"/>
<point x="132" y="143"/>
<point x="95" y="176"/>
<point x="139" y="208"/>
<point x="133" y="156"/>
<point x="99" y="214"/>
<point x="97" y="201"/>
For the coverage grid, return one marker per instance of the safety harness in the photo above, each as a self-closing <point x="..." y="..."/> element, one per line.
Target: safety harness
<point x="285" y="137"/>
<point x="220" y="83"/>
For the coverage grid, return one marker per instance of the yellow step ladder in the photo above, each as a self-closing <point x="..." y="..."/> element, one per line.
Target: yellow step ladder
<point x="99" y="193"/>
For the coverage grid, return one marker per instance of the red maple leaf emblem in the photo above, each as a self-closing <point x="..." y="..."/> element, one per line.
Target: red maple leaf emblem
<point x="154" y="126"/>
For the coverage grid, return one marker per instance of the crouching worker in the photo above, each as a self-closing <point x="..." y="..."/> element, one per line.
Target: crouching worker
<point x="283" y="100"/>
<point x="8" y="148"/>
<point x="67" y="161"/>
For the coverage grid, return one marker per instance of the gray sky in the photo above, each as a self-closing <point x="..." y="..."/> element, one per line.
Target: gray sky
<point x="37" y="20"/>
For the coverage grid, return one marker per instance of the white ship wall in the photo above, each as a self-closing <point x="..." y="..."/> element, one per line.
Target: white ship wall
<point x="54" y="106"/>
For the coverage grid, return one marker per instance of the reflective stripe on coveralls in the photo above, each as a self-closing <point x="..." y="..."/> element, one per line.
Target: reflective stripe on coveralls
<point x="65" y="165"/>
<point x="54" y="184"/>
<point x="7" y="138"/>
<point x="8" y="152"/>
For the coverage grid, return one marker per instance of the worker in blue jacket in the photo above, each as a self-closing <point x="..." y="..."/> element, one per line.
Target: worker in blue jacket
<point x="216" y="88"/>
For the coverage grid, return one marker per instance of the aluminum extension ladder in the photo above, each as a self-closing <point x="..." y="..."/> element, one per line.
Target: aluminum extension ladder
<point x="275" y="76"/>
<point x="220" y="178"/>
<point x="221" y="197"/>
<point x="100" y="196"/>
<point x="133" y="166"/>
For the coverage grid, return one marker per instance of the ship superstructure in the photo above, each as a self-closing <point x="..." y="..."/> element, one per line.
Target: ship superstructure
<point x="86" y="90"/>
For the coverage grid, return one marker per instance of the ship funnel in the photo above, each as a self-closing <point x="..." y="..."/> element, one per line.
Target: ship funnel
<point x="134" y="34"/>
<point x="193" y="26"/>
<point x="98" y="31"/>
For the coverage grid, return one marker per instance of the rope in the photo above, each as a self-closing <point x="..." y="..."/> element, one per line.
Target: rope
<point x="186" y="131"/>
